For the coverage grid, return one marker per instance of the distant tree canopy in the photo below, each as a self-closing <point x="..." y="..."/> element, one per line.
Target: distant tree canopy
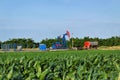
<point x="77" y="42"/>
<point x="25" y="43"/>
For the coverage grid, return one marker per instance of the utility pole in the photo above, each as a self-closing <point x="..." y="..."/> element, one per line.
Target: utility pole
<point x="72" y="41"/>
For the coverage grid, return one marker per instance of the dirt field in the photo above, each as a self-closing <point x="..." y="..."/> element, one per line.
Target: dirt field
<point x="109" y="48"/>
<point x="37" y="49"/>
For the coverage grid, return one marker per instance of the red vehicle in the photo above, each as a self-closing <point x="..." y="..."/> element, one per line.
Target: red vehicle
<point x="88" y="45"/>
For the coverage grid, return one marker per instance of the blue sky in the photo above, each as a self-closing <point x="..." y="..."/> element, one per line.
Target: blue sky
<point x="41" y="19"/>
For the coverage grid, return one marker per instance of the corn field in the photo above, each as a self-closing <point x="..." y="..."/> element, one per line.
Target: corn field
<point x="61" y="65"/>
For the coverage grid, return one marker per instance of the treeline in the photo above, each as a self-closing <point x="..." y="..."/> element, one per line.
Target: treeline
<point x="79" y="42"/>
<point x="76" y="42"/>
<point x="113" y="41"/>
<point x="25" y="43"/>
